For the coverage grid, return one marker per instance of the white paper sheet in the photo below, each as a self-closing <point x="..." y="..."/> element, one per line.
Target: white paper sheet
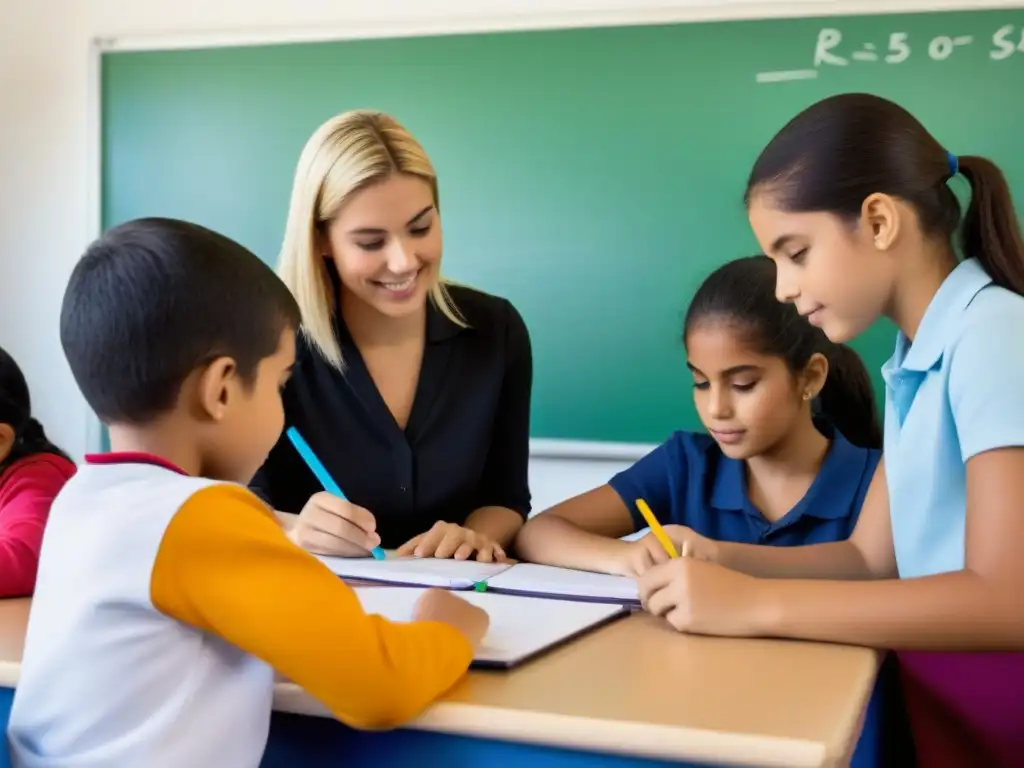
<point x="520" y="628"/>
<point x="413" y="571"/>
<point x="545" y="580"/>
<point x="519" y="579"/>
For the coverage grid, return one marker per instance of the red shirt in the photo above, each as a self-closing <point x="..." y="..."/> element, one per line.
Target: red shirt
<point x="27" y="489"/>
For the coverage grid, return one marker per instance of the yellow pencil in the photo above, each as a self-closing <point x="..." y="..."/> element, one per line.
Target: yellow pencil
<point x="656" y="529"/>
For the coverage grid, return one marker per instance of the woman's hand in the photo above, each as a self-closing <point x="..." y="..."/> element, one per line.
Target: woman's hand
<point x="643" y="554"/>
<point x="329" y="525"/>
<point x="446" y="540"/>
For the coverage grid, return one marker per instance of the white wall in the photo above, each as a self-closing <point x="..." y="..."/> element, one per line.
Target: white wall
<point x="555" y="479"/>
<point x="48" y="207"/>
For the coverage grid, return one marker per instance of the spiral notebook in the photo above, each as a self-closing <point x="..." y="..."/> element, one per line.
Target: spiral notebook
<point x="521" y="628"/>
<point x="525" y="579"/>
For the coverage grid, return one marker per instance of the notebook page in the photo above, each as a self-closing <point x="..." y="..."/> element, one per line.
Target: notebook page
<point x="414" y="571"/>
<point x="541" y="580"/>
<point x="520" y="626"/>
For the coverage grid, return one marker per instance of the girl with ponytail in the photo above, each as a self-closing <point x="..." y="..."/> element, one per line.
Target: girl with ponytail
<point x="791" y="447"/>
<point x="32" y="472"/>
<point x="854" y="201"/>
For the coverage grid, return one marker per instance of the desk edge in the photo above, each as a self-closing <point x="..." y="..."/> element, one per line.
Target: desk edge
<point x="591" y="734"/>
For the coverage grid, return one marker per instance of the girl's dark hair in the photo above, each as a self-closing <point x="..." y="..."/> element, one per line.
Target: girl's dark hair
<point x="16" y="410"/>
<point x="742" y="294"/>
<point x="844" y="148"/>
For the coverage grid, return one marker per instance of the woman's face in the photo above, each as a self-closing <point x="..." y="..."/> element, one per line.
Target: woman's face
<point x="386" y="245"/>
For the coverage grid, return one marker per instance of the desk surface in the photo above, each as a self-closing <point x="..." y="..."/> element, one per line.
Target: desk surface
<point x="637" y="687"/>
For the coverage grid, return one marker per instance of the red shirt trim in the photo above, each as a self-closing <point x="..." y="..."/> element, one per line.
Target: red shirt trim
<point x="133" y="457"/>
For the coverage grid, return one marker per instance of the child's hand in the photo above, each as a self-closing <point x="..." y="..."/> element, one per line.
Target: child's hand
<point x="704" y="598"/>
<point x="440" y="605"/>
<point x="645" y="553"/>
<point x="695" y="545"/>
<point x="329" y="525"/>
<point x="450" y="540"/>
<point x="640" y="556"/>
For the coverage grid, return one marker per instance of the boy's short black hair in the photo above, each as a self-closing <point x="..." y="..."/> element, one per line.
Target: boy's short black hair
<point x="154" y="299"/>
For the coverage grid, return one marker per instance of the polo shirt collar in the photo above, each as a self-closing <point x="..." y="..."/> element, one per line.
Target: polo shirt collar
<point x="828" y="497"/>
<point x="837" y="482"/>
<point x="940" y="318"/>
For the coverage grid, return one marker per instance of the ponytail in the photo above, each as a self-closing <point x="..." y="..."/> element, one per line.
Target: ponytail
<point x="847" y="401"/>
<point x="990" y="231"/>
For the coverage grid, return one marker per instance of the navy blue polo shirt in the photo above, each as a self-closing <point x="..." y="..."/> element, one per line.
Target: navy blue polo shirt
<point x="689" y="481"/>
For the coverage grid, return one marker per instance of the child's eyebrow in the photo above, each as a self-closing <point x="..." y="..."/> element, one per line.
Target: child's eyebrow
<point x="741" y="369"/>
<point x="780" y="242"/>
<point x="728" y="371"/>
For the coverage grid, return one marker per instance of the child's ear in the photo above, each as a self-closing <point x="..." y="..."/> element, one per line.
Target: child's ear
<point x="218" y="385"/>
<point x="814" y="375"/>
<point x="881" y="215"/>
<point x="6" y="441"/>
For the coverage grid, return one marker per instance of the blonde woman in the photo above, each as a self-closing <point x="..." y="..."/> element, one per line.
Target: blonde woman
<point x="413" y="392"/>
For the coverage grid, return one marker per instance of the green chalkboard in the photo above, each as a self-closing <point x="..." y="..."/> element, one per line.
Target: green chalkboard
<point x="592" y="176"/>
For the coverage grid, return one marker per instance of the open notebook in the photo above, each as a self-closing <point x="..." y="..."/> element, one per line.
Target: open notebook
<point x="520" y="579"/>
<point x="521" y="627"/>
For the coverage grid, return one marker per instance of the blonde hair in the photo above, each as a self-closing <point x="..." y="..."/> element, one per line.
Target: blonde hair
<point x="344" y="155"/>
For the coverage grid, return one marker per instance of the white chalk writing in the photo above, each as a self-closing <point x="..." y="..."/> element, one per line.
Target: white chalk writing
<point x="830" y="51"/>
<point x="1007" y="41"/>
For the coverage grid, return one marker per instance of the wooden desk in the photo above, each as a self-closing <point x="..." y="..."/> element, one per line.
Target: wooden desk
<point x="637" y="688"/>
<point x="13" y="621"/>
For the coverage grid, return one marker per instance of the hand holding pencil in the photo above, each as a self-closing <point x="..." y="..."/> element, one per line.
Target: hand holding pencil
<point x="677" y="538"/>
<point x="660" y="546"/>
<point x="694" y="594"/>
<point x="656" y="529"/>
<point x="330" y="524"/>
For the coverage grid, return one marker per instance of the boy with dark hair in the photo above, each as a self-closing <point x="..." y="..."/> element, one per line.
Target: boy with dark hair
<point x="168" y="593"/>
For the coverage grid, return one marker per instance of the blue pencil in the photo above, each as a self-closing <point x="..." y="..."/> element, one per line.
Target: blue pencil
<point x="318" y="469"/>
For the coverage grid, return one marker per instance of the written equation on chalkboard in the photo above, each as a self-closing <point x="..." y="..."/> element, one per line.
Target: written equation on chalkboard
<point x="831" y="50"/>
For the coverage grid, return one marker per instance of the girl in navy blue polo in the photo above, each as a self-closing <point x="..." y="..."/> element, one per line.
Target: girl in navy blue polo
<point x="792" y="444"/>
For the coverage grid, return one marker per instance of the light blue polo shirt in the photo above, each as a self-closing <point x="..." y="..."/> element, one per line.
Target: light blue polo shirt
<point x="955" y="392"/>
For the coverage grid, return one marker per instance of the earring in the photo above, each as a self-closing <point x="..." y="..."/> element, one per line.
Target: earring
<point x="807" y="395"/>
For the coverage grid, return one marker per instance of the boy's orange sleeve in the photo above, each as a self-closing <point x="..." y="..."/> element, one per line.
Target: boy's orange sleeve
<point x="226" y="566"/>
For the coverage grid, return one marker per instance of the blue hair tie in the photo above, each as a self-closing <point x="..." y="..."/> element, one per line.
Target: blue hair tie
<point x="953" y="163"/>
